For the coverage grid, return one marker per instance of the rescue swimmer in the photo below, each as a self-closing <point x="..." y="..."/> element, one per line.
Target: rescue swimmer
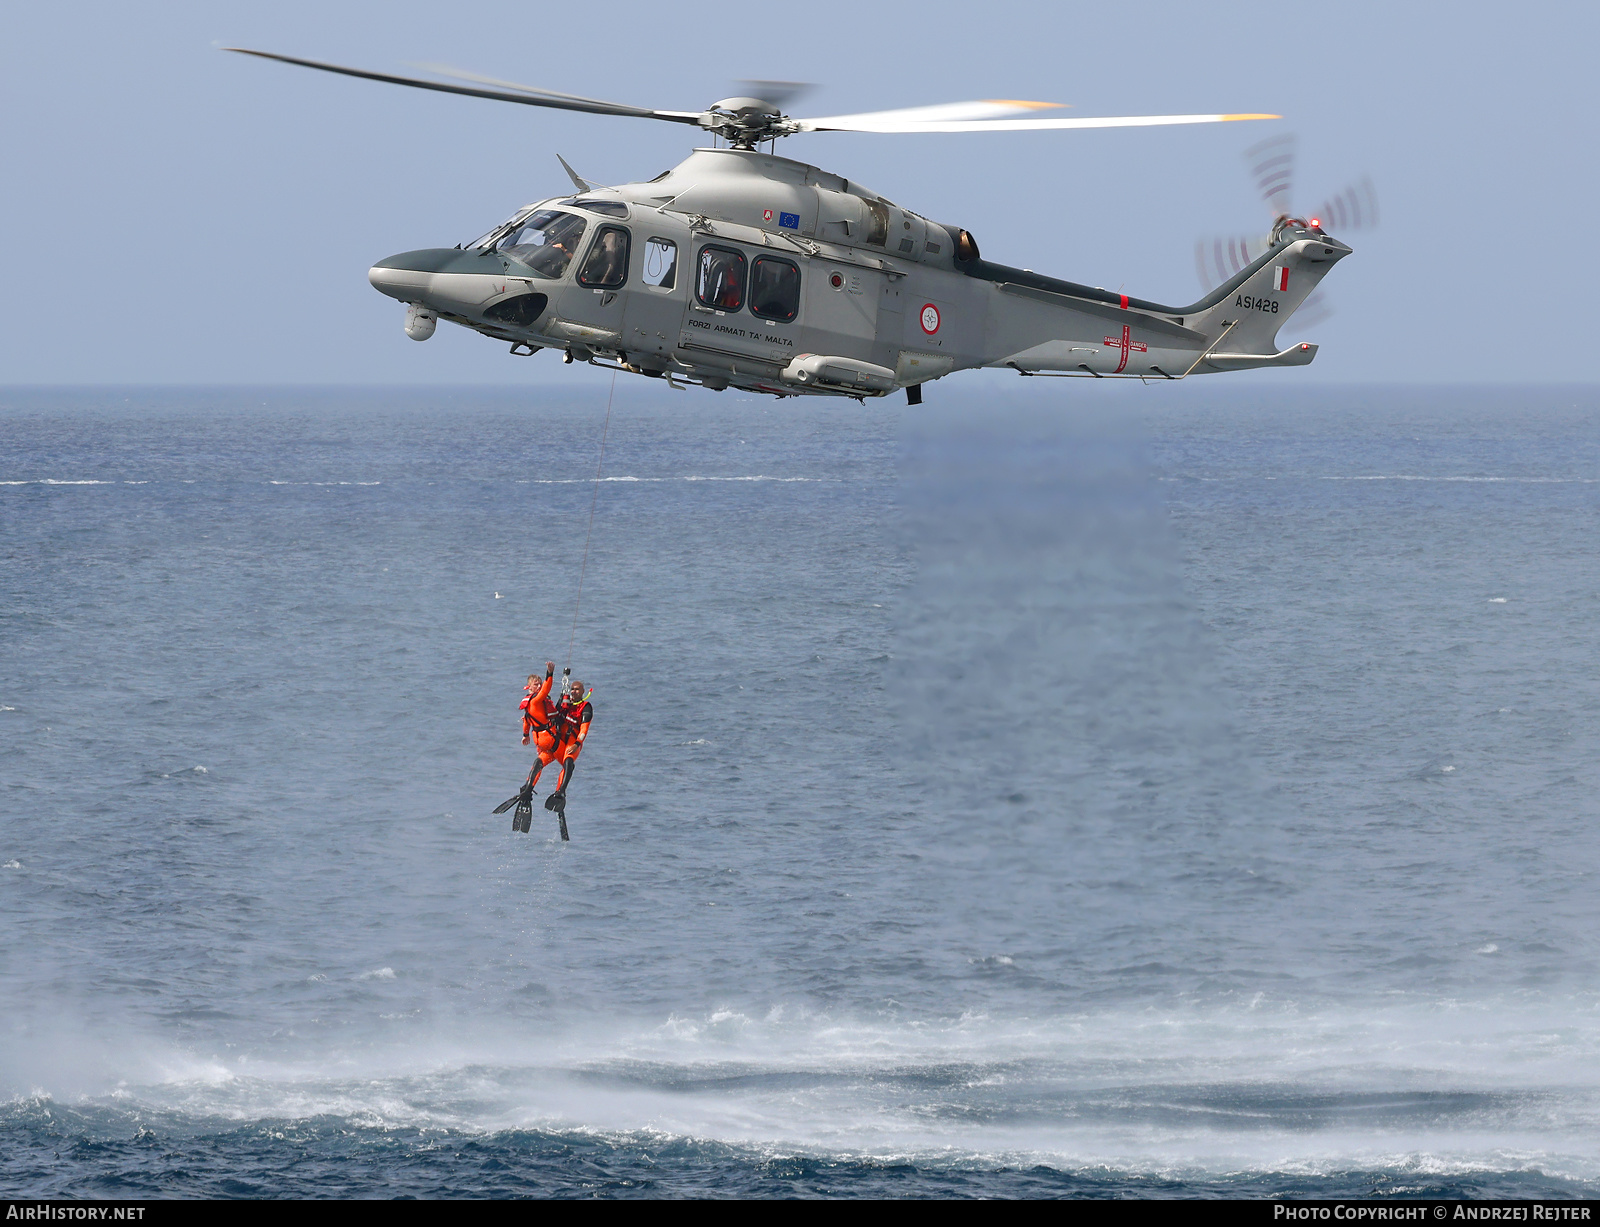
<point x="573" y="713"/>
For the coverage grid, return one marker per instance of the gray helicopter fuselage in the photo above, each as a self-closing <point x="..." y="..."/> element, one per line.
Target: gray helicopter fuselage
<point x="740" y="268"/>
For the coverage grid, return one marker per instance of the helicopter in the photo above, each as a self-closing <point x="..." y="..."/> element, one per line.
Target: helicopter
<point x="739" y="268"/>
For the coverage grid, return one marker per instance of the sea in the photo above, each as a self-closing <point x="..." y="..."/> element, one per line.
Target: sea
<point x="1060" y="789"/>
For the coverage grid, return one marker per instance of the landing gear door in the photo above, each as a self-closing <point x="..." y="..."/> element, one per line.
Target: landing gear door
<point x="841" y="313"/>
<point x="656" y="298"/>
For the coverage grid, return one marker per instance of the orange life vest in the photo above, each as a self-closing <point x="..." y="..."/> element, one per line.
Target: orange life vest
<point x="535" y="710"/>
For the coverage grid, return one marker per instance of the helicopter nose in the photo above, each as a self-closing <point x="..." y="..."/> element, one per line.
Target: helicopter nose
<point x="406" y="275"/>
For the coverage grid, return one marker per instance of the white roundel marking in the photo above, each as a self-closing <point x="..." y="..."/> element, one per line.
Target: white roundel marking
<point x="930" y="318"/>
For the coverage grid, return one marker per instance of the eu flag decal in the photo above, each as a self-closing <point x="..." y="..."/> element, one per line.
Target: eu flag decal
<point x="789" y="221"/>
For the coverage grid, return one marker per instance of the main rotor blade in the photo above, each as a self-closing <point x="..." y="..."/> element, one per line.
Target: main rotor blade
<point x="779" y="93"/>
<point x="526" y="95"/>
<point x="944" y="112"/>
<point x="987" y="117"/>
<point x="444" y="70"/>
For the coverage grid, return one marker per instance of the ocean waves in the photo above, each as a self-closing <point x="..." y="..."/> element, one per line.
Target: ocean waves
<point x="1446" y="1096"/>
<point x="965" y="811"/>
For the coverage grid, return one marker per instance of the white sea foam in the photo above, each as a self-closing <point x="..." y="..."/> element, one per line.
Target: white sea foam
<point x="381" y="973"/>
<point x="12" y="864"/>
<point x="1435" y="1091"/>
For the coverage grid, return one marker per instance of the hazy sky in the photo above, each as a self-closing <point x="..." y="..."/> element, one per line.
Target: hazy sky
<point x="175" y="214"/>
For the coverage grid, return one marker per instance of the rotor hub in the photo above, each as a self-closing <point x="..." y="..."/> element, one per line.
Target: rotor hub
<point x="745" y="122"/>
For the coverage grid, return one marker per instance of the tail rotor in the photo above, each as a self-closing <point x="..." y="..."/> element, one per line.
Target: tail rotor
<point x="1271" y="164"/>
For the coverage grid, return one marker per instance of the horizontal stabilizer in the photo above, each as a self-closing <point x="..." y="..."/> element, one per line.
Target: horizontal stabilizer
<point x="1295" y="355"/>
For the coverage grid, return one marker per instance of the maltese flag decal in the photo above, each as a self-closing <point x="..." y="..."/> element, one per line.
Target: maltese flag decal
<point x="1280" y="277"/>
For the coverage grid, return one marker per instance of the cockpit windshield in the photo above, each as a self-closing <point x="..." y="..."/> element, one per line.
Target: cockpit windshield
<point x="487" y="240"/>
<point x="545" y="242"/>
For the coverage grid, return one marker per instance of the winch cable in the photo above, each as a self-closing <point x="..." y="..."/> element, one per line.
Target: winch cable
<point x="578" y="604"/>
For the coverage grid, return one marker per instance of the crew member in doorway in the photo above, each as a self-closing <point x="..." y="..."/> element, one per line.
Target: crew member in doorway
<point x="572" y="716"/>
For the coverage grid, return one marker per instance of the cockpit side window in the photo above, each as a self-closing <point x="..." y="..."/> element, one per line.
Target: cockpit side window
<point x="774" y="289"/>
<point x="719" y="280"/>
<point x="660" y="263"/>
<point x="606" y="266"/>
<point x="546" y="242"/>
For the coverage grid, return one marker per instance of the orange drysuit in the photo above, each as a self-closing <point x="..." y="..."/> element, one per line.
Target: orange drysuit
<point x="544" y="726"/>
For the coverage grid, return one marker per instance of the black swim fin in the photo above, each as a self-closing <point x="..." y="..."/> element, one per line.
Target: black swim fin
<point x="523" y="818"/>
<point x="507" y="804"/>
<point x="557" y="801"/>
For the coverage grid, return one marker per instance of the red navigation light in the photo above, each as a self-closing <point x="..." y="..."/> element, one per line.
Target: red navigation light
<point x="1316" y="221"/>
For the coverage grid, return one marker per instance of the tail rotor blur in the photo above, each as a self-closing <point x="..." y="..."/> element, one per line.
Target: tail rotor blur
<point x="1271" y="164"/>
<point x="1355" y="208"/>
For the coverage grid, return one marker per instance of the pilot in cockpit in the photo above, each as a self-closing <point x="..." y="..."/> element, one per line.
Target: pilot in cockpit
<point x="605" y="265"/>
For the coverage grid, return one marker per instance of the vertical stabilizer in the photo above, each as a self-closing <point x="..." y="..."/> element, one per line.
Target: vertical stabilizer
<point x="1252" y="307"/>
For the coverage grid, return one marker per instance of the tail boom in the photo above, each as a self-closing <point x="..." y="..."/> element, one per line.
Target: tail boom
<point x="1088" y="332"/>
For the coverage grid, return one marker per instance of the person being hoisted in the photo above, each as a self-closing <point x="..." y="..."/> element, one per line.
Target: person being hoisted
<point x="572" y="716"/>
<point x="539" y="723"/>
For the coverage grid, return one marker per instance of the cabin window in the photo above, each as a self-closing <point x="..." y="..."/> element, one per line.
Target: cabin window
<point x="719" y="281"/>
<point x="877" y="222"/>
<point x="607" y="264"/>
<point x="546" y="242"/>
<point x="774" y="289"/>
<point x="660" y="263"/>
